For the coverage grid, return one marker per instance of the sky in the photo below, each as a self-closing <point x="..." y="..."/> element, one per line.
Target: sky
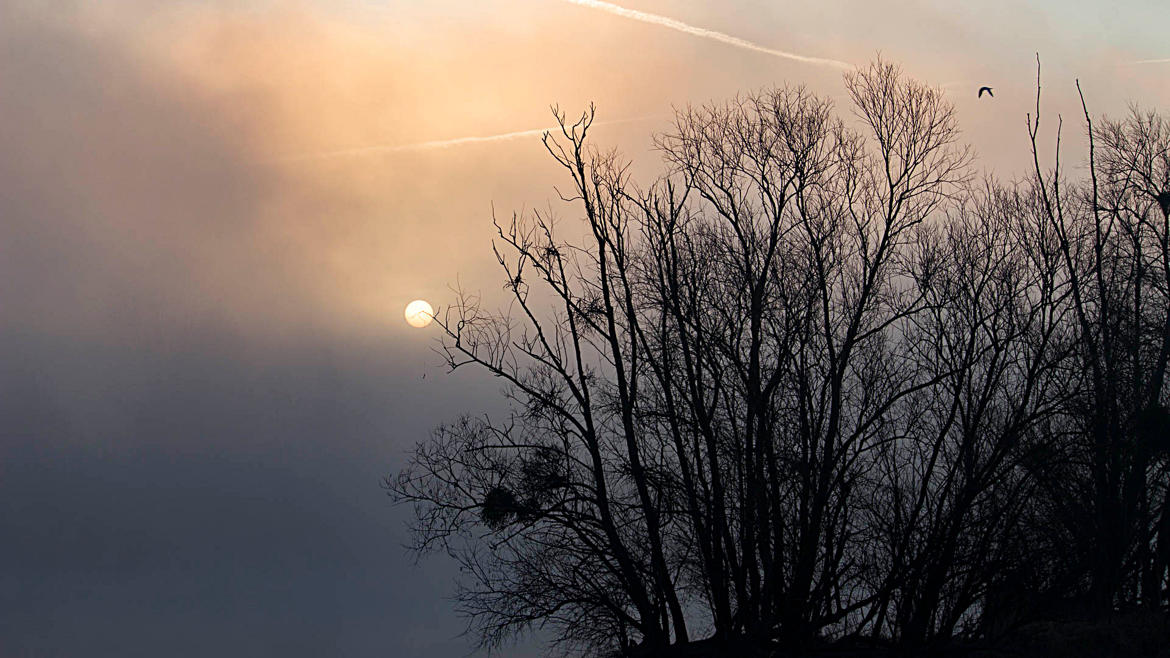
<point x="213" y="213"/>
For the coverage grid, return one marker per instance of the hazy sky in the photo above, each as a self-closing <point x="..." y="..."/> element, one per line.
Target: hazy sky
<point x="213" y="213"/>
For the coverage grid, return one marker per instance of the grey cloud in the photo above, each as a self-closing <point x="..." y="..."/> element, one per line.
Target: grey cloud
<point x="173" y="481"/>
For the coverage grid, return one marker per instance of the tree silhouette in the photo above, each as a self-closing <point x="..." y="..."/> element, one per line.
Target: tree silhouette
<point x="817" y="381"/>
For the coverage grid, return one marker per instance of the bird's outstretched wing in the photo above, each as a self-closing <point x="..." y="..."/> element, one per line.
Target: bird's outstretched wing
<point x="988" y="90"/>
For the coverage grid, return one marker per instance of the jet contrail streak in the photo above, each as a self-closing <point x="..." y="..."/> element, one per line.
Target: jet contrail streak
<point x="440" y="143"/>
<point x="420" y="146"/>
<point x="1152" y="61"/>
<point x="655" y="19"/>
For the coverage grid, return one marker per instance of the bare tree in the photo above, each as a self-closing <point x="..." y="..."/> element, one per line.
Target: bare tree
<point x="812" y="382"/>
<point x="1111" y="237"/>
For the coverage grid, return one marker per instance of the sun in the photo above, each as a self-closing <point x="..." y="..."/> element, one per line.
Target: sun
<point x="419" y="313"/>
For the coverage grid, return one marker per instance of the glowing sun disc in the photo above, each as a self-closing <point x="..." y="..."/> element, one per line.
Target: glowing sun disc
<point x="419" y="313"/>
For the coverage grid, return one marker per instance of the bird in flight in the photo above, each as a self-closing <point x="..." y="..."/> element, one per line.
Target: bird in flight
<point x="988" y="90"/>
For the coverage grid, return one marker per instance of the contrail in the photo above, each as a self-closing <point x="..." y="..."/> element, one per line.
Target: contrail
<point x="655" y="19"/>
<point x="440" y="143"/>
<point x="1152" y="61"/>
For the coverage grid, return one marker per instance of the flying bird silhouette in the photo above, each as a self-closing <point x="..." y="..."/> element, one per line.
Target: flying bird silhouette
<point x="988" y="90"/>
